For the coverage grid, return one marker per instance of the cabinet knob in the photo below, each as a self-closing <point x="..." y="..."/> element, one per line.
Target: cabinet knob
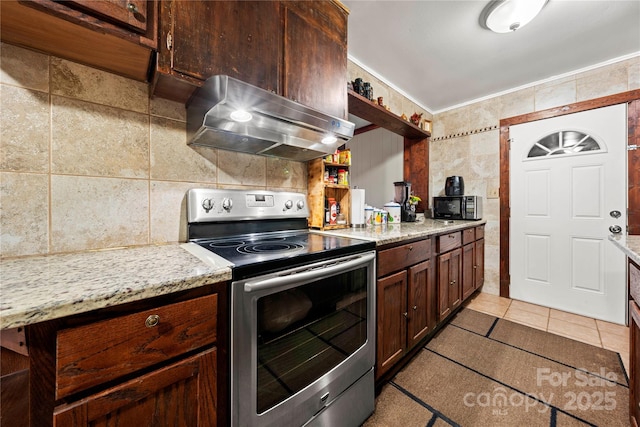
<point x="406" y="314"/>
<point x="132" y="8"/>
<point x="415" y="307"/>
<point x="475" y="266"/>
<point x="152" y="321"/>
<point x="410" y="248"/>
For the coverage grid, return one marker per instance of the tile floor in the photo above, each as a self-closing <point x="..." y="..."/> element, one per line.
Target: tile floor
<point x="591" y="331"/>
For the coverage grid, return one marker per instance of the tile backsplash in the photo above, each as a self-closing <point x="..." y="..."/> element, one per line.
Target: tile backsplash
<point x="88" y="161"/>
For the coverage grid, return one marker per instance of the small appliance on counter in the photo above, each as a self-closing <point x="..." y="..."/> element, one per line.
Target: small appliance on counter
<point x="454" y="186"/>
<point x="402" y="195"/>
<point x="457" y="207"/>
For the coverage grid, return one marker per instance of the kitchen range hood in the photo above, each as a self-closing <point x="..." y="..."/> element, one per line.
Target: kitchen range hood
<point x="229" y="114"/>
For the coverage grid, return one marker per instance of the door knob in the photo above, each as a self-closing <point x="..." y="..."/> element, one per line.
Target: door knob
<point x="615" y="214"/>
<point x="615" y="229"/>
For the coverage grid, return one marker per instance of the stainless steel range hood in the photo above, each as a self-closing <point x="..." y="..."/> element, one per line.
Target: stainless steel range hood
<point x="277" y="126"/>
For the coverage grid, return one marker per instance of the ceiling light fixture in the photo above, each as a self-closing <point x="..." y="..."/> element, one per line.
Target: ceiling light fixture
<point x="504" y="16"/>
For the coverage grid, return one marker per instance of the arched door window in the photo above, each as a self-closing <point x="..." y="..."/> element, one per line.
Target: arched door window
<point x="564" y="143"/>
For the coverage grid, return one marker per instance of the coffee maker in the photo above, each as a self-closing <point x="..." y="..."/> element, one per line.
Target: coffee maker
<point x="403" y="192"/>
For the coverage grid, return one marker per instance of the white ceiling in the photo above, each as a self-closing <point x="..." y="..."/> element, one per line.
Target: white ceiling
<point x="437" y="54"/>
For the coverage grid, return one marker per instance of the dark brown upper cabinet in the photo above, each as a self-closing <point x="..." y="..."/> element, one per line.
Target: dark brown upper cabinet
<point x="296" y="49"/>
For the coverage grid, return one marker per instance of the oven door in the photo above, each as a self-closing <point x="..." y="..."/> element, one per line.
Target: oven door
<point x="299" y="338"/>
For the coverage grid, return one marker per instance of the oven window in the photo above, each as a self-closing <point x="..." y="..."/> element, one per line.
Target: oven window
<point x="306" y="331"/>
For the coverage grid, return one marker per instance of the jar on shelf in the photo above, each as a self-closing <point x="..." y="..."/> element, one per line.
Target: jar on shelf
<point x="342" y="177"/>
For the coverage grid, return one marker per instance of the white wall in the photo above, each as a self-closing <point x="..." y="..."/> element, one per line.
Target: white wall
<point x="377" y="162"/>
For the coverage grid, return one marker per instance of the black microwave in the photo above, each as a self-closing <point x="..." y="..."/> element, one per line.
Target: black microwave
<point x="457" y="207"/>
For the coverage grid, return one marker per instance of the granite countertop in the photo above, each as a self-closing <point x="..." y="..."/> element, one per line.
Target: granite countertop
<point x="42" y="288"/>
<point x="36" y="289"/>
<point x="394" y="233"/>
<point x="630" y="245"/>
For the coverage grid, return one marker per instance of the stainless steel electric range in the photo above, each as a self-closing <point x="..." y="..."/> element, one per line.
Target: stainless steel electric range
<point x="302" y="309"/>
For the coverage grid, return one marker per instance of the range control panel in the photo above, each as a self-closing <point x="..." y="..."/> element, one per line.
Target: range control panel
<point x="208" y="205"/>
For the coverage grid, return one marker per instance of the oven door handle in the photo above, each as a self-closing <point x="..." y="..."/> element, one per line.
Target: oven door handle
<point x="324" y="270"/>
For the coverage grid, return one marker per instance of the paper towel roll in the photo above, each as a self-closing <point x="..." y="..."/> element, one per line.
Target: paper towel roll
<point x="357" y="207"/>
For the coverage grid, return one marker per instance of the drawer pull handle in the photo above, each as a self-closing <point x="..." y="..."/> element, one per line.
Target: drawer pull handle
<point x="132" y="8"/>
<point x="152" y="321"/>
<point x="451" y="236"/>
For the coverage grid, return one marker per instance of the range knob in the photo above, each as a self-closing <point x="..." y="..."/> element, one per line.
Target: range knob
<point x="207" y="204"/>
<point x="288" y="204"/>
<point x="300" y="204"/>
<point x="227" y="204"/>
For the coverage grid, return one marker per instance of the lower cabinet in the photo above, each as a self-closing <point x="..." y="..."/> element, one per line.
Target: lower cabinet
<point x="406" y="301"/>
<point x="420" y="284"/>
<point x="159" y="362"/>
<point x="634" y="344"/>
<point x="472" y="260"/>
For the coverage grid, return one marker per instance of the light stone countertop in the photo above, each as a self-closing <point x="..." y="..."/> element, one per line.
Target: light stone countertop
<point x="36" y="289"/>
<point x="630" y="246"/>
<point x="394" y="233"/>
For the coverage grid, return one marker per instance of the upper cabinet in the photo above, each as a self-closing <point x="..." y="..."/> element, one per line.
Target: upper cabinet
<point x="315" y="55"/>
<point x="296" y="49"/>
<point x="199" y="39"/>
<point x="112" y="35"/>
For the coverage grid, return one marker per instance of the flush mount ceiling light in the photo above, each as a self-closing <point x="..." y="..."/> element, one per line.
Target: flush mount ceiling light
<point x="504" y="16"/>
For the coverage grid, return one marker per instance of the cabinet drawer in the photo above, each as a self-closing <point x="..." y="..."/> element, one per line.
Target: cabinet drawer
<point x="394" y="259"/>
<point x="468" y="235"/>
<point x="480" y="232"/>
<point x="446" y="242"/>
<point x="102" y="351"/>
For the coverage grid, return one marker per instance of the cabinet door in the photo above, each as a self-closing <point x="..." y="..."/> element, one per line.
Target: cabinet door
<point x="315" y="55"/>
<point x="421" y="302"/>
<point x="444" y="261"/>
<point x="181" y="394"/>
<point x="237" y="38"/>
<point x="392" y="320"/>
<point x="634" y="362"/>
<point x="449" y="285"/>
<point x="455" y="275"/>
<point x="468" y="268"/>
<point x="130" y="13"/>
<point x="478" y="265"/>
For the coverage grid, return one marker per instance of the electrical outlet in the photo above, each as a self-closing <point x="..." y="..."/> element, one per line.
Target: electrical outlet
<point x="493" y="193"/>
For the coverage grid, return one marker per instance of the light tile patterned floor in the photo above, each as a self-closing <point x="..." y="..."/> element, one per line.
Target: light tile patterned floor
<point x="591" y="331"/>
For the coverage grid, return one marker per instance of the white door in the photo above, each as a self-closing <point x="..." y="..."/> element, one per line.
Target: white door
<point x="568" y="180"/>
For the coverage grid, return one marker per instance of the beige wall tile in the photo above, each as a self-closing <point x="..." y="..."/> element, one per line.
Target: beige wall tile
<point x="548" y="95"/>
<point x="97" y="213"/>
<point x="169" y="210"/>
<point x="24" y="209"/>
<point x="168" y="109"/>
<point x="241" y="169"/>
<point x="286" y="174"/>
<point x="172" y="159"/>
<point x="24" y="130"/>
<point x="93" y="85"/>
<point x="485" y="114"/>
<point x="634" y="73"/>
<point x="23" y="67"/>
<point x="518" y="103"/>
<point x="602" y="82"/>
<point x="91" y="139"/>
